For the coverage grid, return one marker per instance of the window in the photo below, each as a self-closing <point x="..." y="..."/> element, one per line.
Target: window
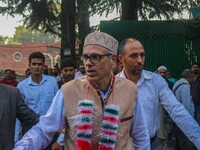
<point x="17" y="56"/>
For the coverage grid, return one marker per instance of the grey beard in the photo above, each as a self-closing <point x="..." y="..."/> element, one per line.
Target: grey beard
<point x="135" y="73"/>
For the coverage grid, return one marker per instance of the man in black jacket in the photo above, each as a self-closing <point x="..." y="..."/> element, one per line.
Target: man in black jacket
<point x="12" y="106"/>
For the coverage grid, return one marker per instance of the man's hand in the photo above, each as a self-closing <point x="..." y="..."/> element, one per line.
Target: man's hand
<point x="57" y="146"/>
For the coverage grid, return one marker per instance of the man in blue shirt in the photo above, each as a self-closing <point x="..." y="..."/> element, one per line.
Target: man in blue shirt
<point x="37" y="90"/>
<point x="182" y="91"/>
<point x="153" y="90"/>
<point x="81" y="71"/>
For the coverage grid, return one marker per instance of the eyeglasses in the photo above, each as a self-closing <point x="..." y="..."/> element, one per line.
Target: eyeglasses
<point x="94" y="58"/>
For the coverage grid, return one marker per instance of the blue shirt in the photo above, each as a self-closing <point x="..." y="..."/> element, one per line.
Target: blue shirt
<point x="153" y="91"/>
<point x="183" y="95"/>
<point x="42" y="133"/>
<point x="78" y="74"/>
<point x="38" y="96"/>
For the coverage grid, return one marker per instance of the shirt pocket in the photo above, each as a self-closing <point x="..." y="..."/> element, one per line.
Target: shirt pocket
<point x="49" y="97"/>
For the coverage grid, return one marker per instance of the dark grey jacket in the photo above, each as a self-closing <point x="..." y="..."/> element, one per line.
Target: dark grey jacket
<point x="12" y="106"/>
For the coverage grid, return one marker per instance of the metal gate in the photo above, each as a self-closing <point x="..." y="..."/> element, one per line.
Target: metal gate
<point x="170" y="43"/>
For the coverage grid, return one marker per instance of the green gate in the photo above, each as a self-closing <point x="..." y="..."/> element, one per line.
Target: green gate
<point x="169" y="43"/>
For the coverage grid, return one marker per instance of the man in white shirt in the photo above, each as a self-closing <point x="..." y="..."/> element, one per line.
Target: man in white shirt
<point x="153" y="91"/>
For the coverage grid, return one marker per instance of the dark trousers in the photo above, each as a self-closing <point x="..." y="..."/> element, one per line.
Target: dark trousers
<point x="182" y="142"/>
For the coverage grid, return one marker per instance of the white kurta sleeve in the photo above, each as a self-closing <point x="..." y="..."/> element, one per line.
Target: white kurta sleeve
<point x="40" y="135"/>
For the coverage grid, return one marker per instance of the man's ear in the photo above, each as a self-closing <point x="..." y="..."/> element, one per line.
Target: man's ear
<point x="120" y="57"/>
<point x="115" y="58"/>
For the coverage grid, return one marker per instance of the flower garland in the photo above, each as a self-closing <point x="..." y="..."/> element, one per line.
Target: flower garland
<point x="84" y="122"/>
<point x="84" y="125"/>
<point x="109" y="127"/>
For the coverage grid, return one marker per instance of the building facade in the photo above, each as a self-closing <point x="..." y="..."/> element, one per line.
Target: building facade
<point x="15" y="57"/>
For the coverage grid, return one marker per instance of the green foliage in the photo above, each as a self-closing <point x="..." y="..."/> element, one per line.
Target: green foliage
<point x="42" y="15"/>
<point x="104" y="6"/>
<point x="194" y="25"/>
<point x="24" y="35"/>
<point x="145" y="9"/>
<point x="7" y="40"/>
<point x="1" y="74"/>
<point x="57" y="16"/>
<point x="2" y="39"/>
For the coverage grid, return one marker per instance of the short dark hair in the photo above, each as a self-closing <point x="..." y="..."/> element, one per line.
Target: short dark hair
<point x="8" y="70"/>
<point x="187" y="73"/>
<point x="121" y="46"/>
<point x="67" y="62"/>
<point x="38" y="55"/>
<point x="195" y="63"/>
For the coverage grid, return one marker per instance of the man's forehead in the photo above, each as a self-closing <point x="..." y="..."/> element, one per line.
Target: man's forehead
<point x="94" y="49"/>
<point x="36" y="60"/>
<point x="133" y="43"/>
<point x="133" y="49"/>
<point x="68" y="67"/>
<point x="195" y="66"/>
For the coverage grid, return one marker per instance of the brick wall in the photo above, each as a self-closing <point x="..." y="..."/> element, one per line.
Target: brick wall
<point x="16" y="56"/>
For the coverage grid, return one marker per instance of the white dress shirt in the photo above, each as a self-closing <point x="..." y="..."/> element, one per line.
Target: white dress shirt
<point x="153" y="91"/>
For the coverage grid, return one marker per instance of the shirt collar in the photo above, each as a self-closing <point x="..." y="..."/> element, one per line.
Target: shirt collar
<point x="145" y="75"/>
<point x="31" y="82"/>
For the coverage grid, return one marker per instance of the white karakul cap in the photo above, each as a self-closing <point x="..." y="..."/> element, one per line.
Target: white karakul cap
<point x="102" y="39"/>
<point x="162" y="67"/>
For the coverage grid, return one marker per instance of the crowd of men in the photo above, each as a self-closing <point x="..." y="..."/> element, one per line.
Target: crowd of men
<point x="108" y="102"/>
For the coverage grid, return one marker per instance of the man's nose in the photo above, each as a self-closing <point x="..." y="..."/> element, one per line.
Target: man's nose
<point x="139" y="58"/>
<point x="88" y="62"/>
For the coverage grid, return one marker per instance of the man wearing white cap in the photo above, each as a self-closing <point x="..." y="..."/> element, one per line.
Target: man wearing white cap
<point x="166" y="123"/>
<point x="96" y="110"/>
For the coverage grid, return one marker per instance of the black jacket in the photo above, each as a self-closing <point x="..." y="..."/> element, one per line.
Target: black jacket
<point x="12" y="106"/>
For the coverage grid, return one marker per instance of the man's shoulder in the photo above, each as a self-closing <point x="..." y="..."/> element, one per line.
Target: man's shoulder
<point x="2" y="80"/>
<point x="7" y="88"/>
<point x="123" y="84"/>
<point x="124" y="81"/>
<point x="23" y="82"/>
<point x="50" y="79"/>
<point x="151" y="75"/>
<point x="82" y="81"/>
